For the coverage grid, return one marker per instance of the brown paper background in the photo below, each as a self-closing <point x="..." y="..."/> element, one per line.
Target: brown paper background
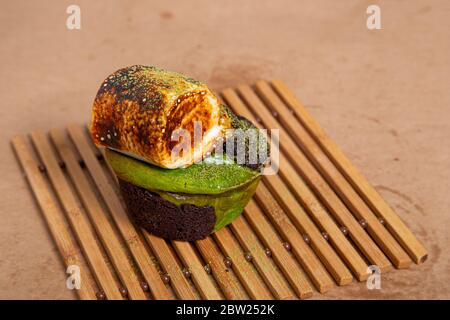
<point x="383" y="96"/>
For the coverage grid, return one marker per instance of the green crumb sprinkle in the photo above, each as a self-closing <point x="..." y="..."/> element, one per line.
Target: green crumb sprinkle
<point x="201" y="178"/>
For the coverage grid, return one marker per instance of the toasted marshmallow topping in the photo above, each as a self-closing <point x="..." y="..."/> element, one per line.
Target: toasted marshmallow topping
<point x="161" y="117"/>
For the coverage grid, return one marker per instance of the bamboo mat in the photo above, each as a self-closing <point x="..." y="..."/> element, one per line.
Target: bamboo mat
<point x="315" y="226"/>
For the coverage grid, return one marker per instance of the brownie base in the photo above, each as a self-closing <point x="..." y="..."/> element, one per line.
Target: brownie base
<point x="165" y="219"/>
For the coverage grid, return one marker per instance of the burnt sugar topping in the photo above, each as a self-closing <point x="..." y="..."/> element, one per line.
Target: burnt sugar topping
<point x="137" y="109"/>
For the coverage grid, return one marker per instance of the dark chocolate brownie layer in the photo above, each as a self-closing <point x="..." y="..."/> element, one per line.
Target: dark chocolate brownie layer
<point x="164" y="218"/>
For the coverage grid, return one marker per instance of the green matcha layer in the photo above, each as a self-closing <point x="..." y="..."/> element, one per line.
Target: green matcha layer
<point x="217" y="182"/>
<point x="215" y="175"/>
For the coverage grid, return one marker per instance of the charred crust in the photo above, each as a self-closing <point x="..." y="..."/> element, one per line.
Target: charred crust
<point x="165" y="219"/>
<point x="141" y="84"/>
<point x="135" y="84"/>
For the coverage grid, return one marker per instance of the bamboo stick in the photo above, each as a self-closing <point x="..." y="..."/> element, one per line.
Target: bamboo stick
<point x="266" y="267"/>
<point x="362" y="212"/>
<point x="393" y="222"/>
<point x="320" y="186"/>
<point x="322" y="249"/>
<point x="229" y="284"/>
<point x="77" y="219"/>
<point x="61" y="233"/>
<point x="301" y="249"/>
<point x="292" y="272"/>
<point x="169" y="263"/>
<point x="101" y="223"/>
<point x="244" y="271"/>
<point x="204" y="282"/>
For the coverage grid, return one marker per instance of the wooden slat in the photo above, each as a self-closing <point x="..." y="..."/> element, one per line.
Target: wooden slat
<point x="393" y="222"/>
<point x="319" y="185"/>
<point x="169" y="263"/>
<point x="244" y="270"/>
<point x="285" y="262"/>
<point x="204" y="282"/>
<point x="312" y="150"/>
<point x="295" y="211"/>
<point x="305" y="255"/>
<point x="77" y="218"/>
<point x="230" y="286"/>
<point x="100" y="221"/>
<point x="54" y="217"/>
<point x="120" y="217"/>
<point x="249" y="241"/>
<point x="323" y="250"/>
